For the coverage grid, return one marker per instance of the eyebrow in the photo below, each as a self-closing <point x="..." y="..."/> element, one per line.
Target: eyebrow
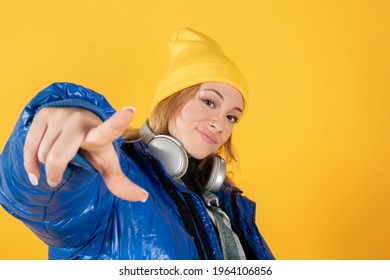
<point x="221" y="96"/>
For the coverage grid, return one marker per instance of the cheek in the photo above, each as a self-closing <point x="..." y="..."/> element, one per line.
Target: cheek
<point x="173" y="129"/>
<point x="227" y="133"/>
<point x="177" y="128"/>
<point x="183" y="121"/>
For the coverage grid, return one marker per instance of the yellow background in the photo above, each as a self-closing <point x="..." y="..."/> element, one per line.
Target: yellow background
<point x="314" y="146"/>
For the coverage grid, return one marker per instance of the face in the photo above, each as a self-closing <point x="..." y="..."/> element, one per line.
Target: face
<point x="205" y="122"/>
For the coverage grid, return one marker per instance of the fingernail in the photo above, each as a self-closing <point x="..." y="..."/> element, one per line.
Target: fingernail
<point x="130" y="108"/>
<point x="145" y="197"/>
<point x="33" y="179"/>
<point x="52" y="184"/>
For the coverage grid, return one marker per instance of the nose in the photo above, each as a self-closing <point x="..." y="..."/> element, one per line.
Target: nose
<point x="216" y="124"/>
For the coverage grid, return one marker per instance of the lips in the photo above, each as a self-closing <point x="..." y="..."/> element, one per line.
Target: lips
<point x="207" y="136"/>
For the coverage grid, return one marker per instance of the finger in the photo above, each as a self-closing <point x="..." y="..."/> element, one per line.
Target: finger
<point x="110" y="130"/>
<point x="30" y="150"/>
<point x="61" y="153"/>
<point x="48" y="139"/>
<point x="107" y="164"/>
<point x="120" y="186"/>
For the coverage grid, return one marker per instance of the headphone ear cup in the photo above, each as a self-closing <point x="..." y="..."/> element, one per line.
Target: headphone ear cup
<point x="217" y="174"/>
<point x="171" y="154"/>
<point x="168" y="150"/>
<point x="173" y="157"/>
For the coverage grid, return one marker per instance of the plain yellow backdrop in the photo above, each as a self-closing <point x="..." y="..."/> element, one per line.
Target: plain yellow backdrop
<point x="314" y="145"/>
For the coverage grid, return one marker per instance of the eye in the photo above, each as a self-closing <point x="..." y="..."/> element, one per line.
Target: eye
<point x="232" y="119"/>
<point x="208" y="103"/>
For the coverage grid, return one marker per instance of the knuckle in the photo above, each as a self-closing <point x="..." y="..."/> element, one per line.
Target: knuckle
<point x="42" y="154"/>
<point x="28" y="164"/>
<point x="90" y="144"/>
<point x="43" y="114"/>
<point x="56" y="161"/>
<point x="27" y="153"/>
<point x="30" y="141"/>
<point x="78" y="116"/>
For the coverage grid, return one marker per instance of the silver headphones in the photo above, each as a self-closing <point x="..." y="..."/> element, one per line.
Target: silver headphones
<point x="173" y="157"/>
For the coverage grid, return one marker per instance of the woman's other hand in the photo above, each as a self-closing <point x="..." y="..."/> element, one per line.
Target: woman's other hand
<point x="57" y="134"/>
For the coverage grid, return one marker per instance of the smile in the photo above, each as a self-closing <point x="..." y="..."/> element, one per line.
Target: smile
<point x="206" y="136"/>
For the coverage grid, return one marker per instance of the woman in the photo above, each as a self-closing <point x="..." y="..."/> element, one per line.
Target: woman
<point x="156" y="193"/>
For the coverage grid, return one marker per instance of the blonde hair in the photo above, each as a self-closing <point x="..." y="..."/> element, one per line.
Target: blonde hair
<point x="166" y="111"/>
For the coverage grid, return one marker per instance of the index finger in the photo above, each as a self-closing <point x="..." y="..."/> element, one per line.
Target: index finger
<point x="110" y="130"/>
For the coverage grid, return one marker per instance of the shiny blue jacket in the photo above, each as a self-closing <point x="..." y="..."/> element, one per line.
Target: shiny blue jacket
<point x="81" y="219"/>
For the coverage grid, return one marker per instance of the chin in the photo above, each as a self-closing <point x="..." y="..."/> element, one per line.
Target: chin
<point x="198" y="155"/>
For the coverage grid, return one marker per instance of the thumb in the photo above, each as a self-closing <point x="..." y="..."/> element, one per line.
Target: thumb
<point x="120" y="186"/>
<point x="106" y="162"/>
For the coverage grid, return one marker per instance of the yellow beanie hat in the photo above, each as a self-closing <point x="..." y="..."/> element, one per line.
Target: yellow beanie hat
<point x="197" y="58"/>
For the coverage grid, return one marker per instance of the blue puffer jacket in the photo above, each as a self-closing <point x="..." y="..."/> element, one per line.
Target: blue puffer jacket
<point x="81" y="219"/>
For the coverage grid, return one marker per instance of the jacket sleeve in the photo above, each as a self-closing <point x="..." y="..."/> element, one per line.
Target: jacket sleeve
<point x="78" y="208"/>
